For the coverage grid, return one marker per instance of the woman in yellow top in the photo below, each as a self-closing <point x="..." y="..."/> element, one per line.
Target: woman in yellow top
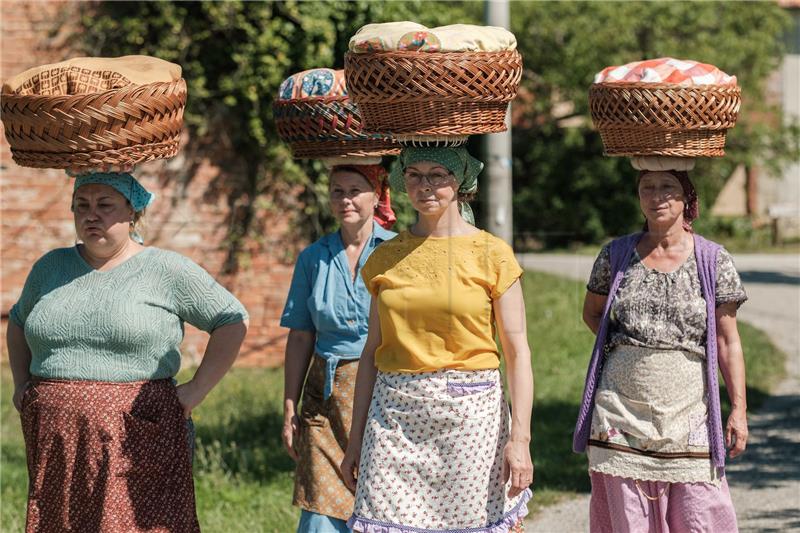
<point x="433" y="449"/>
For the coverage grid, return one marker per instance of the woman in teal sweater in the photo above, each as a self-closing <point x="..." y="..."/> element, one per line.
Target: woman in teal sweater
<point x="93" y="344"/>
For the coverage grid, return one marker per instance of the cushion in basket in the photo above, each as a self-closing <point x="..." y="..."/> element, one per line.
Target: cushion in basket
<point x="313" y="83"/>
<point x="666" y="70"/>
<point x="81" y="75"/>
<point x="410" y="36"/>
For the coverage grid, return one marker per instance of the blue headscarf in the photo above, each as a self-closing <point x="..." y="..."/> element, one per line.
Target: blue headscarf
<point x="126" y="185"/>
<point x="123" y="183"/>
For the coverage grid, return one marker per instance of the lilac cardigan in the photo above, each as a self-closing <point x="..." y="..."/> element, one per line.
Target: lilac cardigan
<point x="621" y="251"/>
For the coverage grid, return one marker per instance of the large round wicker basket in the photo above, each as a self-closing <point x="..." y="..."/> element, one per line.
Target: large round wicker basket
<point x="328" y="126"/>
<point x="433" y="93"/>
<point x="95" y="128"/>
<point x="636" y="118"/>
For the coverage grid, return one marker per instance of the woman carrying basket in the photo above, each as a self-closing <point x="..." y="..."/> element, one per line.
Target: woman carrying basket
<point x="327" y="309"/>
<point x="663" y="306"/>
<point x="93" y="344"/>
<point x="435" y="449"/>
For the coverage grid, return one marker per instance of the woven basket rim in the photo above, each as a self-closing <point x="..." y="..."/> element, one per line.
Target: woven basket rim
<point x="66" y="97"/>
<point x="647" y="85"/>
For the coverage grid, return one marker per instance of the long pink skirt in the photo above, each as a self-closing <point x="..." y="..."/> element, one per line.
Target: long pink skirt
<point x="623" y="505"/>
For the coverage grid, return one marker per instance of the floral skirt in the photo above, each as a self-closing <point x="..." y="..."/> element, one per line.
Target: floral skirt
<point x="432" y="456"/>
<point x="107" y="456"/>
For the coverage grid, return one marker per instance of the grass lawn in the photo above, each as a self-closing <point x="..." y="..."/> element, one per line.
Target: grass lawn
<point x="244" y="480"/>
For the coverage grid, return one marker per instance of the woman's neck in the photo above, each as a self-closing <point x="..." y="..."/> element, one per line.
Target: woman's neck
<point x="667" y="237"/>
<point x="448" y="223"/>
<point x="104" y="261"/>
<point x="356" y="234"/>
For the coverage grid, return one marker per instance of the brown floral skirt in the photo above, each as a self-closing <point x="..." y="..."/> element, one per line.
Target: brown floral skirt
<point x="107" y="456"/>
<point x="324" y="430"/>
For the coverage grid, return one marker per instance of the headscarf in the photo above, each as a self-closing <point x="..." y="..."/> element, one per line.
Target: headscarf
<point x="126" y="185"/>
<point x="456" y="159"/>
<point x="691" y="208"/>
<point x="123" y="183"/>
<point x="376" y="176"/>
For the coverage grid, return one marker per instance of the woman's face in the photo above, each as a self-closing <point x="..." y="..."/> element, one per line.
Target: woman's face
<point x="661" y="198"/>
<point x="102" y="217"/>
<point x="431" y="187"/>
<point x="353" y="199"/>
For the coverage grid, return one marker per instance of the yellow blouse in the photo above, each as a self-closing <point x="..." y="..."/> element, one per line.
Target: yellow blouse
<point x="434" y="297"/>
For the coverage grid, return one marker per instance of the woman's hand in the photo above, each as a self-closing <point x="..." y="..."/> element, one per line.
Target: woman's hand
<point x="518" y="466"/>
<point x="736" y="432"/>
<point x="349" y="466"/>
<point x="190" y="396"/>
<point x="291" y="429"/>
<point x="19" y="394"/>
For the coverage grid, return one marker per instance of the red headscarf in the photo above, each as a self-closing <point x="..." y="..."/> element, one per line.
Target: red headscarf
<point x="377" y="177"/>
<point x="691" y="209"/>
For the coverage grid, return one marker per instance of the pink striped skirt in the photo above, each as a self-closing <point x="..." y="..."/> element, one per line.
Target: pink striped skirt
<point x="624" y="505"/>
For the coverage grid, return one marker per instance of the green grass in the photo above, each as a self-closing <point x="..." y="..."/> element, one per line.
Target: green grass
<point x="244" y="479"/>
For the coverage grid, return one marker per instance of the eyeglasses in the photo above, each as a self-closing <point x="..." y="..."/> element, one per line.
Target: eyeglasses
<point x="434" y="179"/>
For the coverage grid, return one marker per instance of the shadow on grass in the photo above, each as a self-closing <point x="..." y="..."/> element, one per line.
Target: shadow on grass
<point x="557" y="467"/>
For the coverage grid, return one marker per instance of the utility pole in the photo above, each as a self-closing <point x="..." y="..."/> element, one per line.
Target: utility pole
<point x="498" y="149"/>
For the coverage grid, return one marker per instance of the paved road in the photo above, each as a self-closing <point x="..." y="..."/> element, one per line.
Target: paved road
<point x="765" y="482"/>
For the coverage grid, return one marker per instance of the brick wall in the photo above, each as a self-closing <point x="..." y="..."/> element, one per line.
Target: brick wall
<point x="188" y="217"/>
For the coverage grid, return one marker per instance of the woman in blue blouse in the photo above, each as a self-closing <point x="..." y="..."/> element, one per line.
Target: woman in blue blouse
<point x="327" y="311"/>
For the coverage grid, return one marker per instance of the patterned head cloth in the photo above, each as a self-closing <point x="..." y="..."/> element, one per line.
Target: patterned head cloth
<point x="376" y="176"/>
<point x="123" y="183"/>
<point x="456" y="159"/>
<point x="691" y="208"/>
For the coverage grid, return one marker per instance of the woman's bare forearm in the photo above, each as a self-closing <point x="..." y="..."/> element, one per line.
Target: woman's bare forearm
<point x="365" y="383"/>
<point x="299" y="350"/>
<point x="512" y="328"/>
<point x="19" y="354"/>
<point x="520" y="388"/>
<point x="221" y="351"/>
<point x="731" y="357"/>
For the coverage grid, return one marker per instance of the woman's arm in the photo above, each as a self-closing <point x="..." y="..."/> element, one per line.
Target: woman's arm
<point x="365" y="382"/>
<point x="731" y="363"/>
<point x="221" y="351"/>
<point x="19" y="359"/>
<point x="299" y="350"/>
<point x="509" y="311"/>
<point x="593" y="305"/>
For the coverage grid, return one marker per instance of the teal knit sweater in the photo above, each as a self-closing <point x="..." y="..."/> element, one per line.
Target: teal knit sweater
<point x="125" y="324"/>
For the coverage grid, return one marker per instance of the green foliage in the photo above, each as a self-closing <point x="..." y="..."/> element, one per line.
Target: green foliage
<point x="565" y="190"/>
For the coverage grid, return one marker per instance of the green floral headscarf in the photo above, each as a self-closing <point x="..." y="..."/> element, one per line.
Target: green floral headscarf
<point x="456" y="159"/>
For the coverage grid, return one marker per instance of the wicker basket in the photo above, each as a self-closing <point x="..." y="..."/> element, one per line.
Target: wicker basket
<point x="121" y="126"/>
<point x="433" y="93"/>
<point x="664" y="119"/>
<point x="328" y="126"/>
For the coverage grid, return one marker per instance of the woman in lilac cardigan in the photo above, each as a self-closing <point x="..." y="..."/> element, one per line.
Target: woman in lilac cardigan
<point x="663" y="306"/>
